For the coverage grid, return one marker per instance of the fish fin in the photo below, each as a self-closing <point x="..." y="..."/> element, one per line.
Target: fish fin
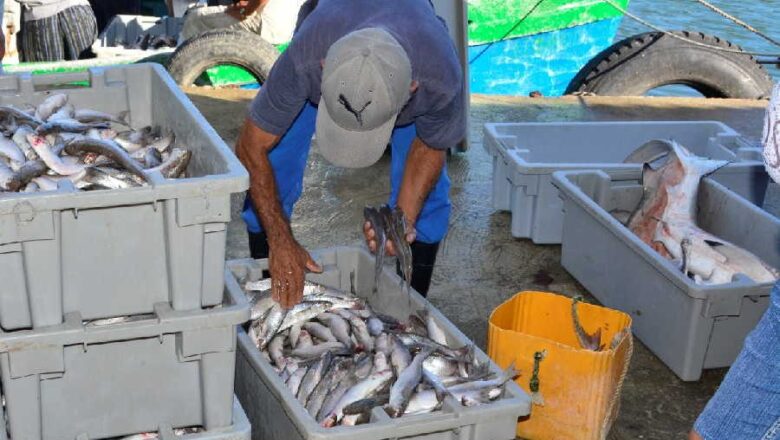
<point x="122" y="118"/>
<point x="511" y="373"/>
<point x="590" y="341"/>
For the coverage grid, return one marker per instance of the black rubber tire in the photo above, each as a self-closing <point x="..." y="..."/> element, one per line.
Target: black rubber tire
<point x="222" y="46"/>
<point x="646" y="61"/>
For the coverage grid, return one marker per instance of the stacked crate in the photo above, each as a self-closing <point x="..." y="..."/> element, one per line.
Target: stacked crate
<point x="114" y="319"/>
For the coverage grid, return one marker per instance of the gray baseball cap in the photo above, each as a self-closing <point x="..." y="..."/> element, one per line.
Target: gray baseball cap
<point x="365" y="83"/>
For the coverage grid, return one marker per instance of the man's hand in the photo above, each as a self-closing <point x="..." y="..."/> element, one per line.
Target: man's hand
<point x="288" y="260"/>
<point x="423" y="169"/>
<point x="370" y="235"/>
<point x="288" y="263"/>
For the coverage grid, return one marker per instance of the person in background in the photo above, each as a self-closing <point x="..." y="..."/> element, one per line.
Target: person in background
<point x="55" y="30"/>
<point x="747" y="403"/>
<point x="273" y="20"/>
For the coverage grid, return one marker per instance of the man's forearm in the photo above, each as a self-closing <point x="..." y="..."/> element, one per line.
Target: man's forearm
<point x="422" y="171"/>
<point x="252" y="149"/>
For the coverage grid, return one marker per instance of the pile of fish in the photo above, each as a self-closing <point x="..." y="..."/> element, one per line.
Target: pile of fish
<point x="341" y="360"/>
<point x="389" y="224"/>
<point x="666" y="218"/>
<point x="55" y="142"/>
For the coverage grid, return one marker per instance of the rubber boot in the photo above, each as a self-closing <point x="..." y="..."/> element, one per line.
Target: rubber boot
<point x="258" y="248"/>
<point x="423" y="260"/>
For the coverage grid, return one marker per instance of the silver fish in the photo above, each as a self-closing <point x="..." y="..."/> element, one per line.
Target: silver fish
<point x="339" y="327"/>
<point x="435" y="332"/>
<point x="314" y="376"/>
<point x="67" y="125"/>
<point x="375" y="219"/>
<point x="106" y="148"/>
<point x="89" y="116"/>
<point x="66" y="112"/>
<point x="50" y="105"/>
<point x="10" y="114"/>
<point x="294" y="382"/>
<point x="402" y="389"/>
<point x="365" y="388"/>
<point x="320" y="331"/>
<point x="315" y="351"/>
<point x="9" y="149"/>
<point x="175" y="165"/>
<point x="304" y="340"/>
<point x="275" y="349"/>
<point x="397" y="231"/>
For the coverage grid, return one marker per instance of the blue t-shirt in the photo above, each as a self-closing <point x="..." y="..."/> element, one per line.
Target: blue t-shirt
<point x="437" y="107"/>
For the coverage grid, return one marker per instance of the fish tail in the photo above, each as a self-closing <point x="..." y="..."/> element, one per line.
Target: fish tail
<point x="122" y="118"/>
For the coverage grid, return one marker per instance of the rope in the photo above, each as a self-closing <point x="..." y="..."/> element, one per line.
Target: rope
<point x="738" y="21"/>
<point x="519" y="22"/>
<point x="678" y="37"/>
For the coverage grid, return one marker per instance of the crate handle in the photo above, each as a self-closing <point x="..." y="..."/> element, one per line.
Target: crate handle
<point x="94" y="77"/>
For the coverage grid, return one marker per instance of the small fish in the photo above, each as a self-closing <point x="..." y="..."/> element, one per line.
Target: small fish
<point x="365" y="388"/>
<point x="88" y="116"/>
<point x="402" y="389"/>
<point x="68" y="125"/>
<point x="175" y="165"/>
<point x="375" y="219"/>
<point x="395" y="221"/>
<point x="314" y="376"/>
<point x="50" y="105"/>
<point x="52" y="160"/>
<point x="435" y="332"/>
<point x="12" y="115"/>
<point x="320" y="331"/>
<point x="10" y="150"/>
<point x="106" y="148"/>
<point x="64" y="113"/>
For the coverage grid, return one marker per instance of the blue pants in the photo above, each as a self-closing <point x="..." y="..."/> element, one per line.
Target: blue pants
<point x="289" y="157"/>
<point x="747" y="404"/>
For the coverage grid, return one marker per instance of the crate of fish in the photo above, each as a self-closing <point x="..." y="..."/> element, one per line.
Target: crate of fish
<point x="120" y="376"/>
<point x="138" y="35"/>
<point x="354" y="363"/>
<point x="526" y="154"/>
<point x="692" y="263"/>
<point x="115" y="196"/>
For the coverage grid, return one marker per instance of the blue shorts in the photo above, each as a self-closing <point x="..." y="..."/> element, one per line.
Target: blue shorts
<point x="747" y="404"/>
<point x="289" y="157"/>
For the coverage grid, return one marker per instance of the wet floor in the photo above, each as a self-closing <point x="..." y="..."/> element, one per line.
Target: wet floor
<point x="480" y="265"/>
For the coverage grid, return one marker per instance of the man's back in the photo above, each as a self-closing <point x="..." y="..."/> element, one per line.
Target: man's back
<point x="413" y="23"/>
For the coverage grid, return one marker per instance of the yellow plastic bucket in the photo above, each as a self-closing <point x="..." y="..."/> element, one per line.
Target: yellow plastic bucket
<point x="579" y="388"/>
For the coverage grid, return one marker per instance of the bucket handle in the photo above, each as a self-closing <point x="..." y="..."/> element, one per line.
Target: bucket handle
<point x="611" y="414"/>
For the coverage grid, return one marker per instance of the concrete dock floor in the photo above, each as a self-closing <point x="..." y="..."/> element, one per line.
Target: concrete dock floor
<point x="480" y="264"/>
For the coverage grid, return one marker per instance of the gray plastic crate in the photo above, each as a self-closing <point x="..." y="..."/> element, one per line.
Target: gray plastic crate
<point x="125" y="29"/>
<point x="690" y="327"/>
<point x="276" y="414"/>
<point x="240" y="429"/>
<point x="119" y="252"/>
<point x="72" y="380"/>
<point x="526" y="154"/>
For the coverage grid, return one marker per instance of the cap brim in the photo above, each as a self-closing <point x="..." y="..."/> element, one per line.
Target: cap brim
<point x="350" y="149"/>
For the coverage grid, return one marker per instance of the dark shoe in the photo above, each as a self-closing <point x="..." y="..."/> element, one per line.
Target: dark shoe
<point x="423" y="260"/>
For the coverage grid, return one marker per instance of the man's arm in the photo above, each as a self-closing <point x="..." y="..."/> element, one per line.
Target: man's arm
<point x="288" y="259"/>
<point x="422" y="171"/>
